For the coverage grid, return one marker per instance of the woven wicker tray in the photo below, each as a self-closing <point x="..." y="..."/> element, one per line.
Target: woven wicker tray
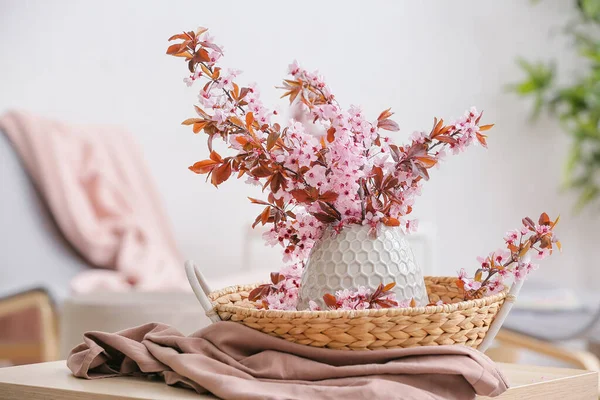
<point x="457" y="322"/>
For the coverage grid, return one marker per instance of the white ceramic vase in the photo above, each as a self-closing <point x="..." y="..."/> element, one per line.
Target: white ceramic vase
<point x="351" y="259"/>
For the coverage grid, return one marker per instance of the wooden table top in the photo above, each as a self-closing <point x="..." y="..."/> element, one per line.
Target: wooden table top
<point x="54" y="381"/>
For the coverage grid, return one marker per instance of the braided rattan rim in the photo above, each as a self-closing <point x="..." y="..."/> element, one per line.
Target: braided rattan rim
<point x="390" y="312"/>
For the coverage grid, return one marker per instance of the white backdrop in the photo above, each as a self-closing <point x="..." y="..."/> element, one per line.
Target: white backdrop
<point x="105" y="62"/>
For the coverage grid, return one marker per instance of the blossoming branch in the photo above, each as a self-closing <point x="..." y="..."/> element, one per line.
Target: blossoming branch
<point x="349" y="174"/>
<point x="352" y="174"/>
<point x="515" y="261"/>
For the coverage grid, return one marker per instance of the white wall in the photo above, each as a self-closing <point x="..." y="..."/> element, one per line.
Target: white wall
<point x="104" y="62"/>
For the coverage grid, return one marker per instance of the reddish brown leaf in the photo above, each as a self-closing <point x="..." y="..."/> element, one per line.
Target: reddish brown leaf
<point x="201" y="30"/>
<point x="212" y="46"/>
<point x="257" y="201"/>
<point x="259" y="292"/>
<point x="243" y="92"/>
<point x="191" y="121"/>
<point x="395" y="151"/>
<point x="276" y="277"/>
<point x="216" y="157"/>
<point x="331" y="134"/>
<point x="243" y="140"/>
<point x="236" y="91"/>
<point x="261" y="172"/>
<point x="386" y="303"/>
<point x="546" y="242"/>
<point x="186" y="54"/>
<point x="202" y="113"/>
<point x="481" y="138"/>
<point x="254" y="294"/>
<point x="325" y="218"/>
<point x="198" y="126"/>
<point x="264" y="216"/>
<point x="236" y="121"/>
<point x="328" y="209"/>
<point x="221" y="174"/>
<point x="277" y="181"/>
<point x="446" y="139"/>
<point x="330" y="301"/>
<point x="205" y="70"/>
<point x="256" y="221"/>
<point x="528" y="222"/>
<point x="385" y="114"/>
<point x="544" y="219"/>
<point x="479" y="118"/>
<point x="555" y="222"/>
<point x="525" y="249"/>
<point x="377" y="176"/>
<point x="176" y="48"/>
<point x="249" y="121"/>
<point x="426" y="161"/>
<point x="389" y="221"/>
<point x="201" y="56"/>
<point x="484" y="128"/>
<point x="301" y="196"/>
<point x="421" y="171"/>
<point x="388" y="125"/>
<point x="203" y="167"/>
<point x="437" y="128"/>
<point x="272" y="139"/>
<point x="377" y="291"/>
<point x="329" y="197"/>
<point x="182" y="36"/>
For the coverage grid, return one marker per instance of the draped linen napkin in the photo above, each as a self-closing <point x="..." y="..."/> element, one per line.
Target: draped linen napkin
<point x="233" y="361"/>
<point x="101" y="196"/>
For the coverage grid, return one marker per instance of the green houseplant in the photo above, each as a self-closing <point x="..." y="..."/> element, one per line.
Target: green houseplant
<point x="576" y="105"/>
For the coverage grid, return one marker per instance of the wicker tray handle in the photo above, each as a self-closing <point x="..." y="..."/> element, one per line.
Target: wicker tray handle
<point x="202" y="290"/>
<point x="510" y="299"/>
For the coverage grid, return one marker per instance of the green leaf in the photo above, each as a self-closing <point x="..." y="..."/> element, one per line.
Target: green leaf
<point x="590" y="9"/>
<point x="573" y="158"/>
<point x="588" y="194"/>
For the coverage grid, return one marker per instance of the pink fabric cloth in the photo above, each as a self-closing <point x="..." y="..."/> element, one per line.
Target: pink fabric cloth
<point x="233" y="361"/>
<point x="99" y="192"/>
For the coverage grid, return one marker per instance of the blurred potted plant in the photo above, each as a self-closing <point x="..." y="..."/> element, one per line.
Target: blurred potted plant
<point x="577" y="105"/>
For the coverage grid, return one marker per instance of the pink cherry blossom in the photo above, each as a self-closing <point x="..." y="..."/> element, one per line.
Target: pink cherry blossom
<point x="316" y="176"/>
<point x="471" y="284"/>
<point x="412" y="225"/>
<point x="542" y="229"/>
<point x="483" y="261"/>
<point x="328" y="167"/>
<point x="500" y="256"/>
<point x="512" y="236"/>
<point x="541" y="254"/>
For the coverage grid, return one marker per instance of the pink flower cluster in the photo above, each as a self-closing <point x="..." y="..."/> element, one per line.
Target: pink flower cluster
<point x="358" y="300"/>
<point x="282" y="292"/>
<point x="362" y="299"/>
<point x="329" y="167"/>
<point x="515" y="260"/>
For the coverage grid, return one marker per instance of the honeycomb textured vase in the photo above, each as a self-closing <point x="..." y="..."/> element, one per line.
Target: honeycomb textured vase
<point x="351" y="259"/>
